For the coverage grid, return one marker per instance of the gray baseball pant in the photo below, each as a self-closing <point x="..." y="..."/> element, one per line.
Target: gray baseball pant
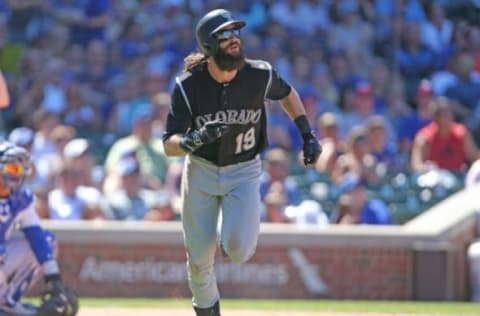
<point x="207" y="189"/>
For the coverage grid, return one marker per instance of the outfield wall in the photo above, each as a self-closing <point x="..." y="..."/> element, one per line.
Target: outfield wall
<point x="424" y="259"/>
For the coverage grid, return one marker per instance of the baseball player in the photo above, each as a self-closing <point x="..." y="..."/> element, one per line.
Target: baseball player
<point x="26" y="250"/>
<point x="217" y="118"/>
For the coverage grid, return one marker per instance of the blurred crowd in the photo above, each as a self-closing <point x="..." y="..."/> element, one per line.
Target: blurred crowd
<point x="392" y="88"/>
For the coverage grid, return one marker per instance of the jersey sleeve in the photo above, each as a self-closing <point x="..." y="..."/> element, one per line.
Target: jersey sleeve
<point x="30" y="224"/>
<point x="29" y="217"/>
<point x="277" y="88"/>
<point x="179" y="119"/>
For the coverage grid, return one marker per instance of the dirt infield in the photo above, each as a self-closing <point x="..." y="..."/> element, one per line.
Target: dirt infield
<point x="89" y="311"/>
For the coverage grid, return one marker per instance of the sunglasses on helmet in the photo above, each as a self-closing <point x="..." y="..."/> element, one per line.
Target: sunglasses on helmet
<point x="14" y="169"/>
<point x="225" y="34"/>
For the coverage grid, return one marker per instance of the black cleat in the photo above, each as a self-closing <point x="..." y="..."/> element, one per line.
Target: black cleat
<point x="210" y="311"/>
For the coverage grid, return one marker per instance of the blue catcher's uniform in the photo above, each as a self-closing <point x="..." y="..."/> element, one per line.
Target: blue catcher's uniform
<point x="26" y="250"/>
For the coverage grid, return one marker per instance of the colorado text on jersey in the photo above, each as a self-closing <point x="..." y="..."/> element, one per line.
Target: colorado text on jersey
<point x="241" y="117"/>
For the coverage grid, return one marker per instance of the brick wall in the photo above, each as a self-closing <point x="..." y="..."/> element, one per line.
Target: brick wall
<point x="348" y="272"/>
<point x="424" y="259"/>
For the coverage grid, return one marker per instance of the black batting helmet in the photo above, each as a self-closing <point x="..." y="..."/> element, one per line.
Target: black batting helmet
<point x="211" y="23"/>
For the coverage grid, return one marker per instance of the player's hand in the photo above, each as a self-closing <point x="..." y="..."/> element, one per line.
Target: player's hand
<point x="212" y="131"/>
<point x="207" y="134"/>
<point x="311" y="149"/>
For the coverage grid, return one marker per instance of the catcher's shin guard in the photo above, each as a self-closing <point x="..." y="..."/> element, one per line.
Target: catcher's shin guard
<point x="210" y="311"/>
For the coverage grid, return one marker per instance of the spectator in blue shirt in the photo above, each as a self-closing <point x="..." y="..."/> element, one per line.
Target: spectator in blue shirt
<point x="411" y="123"/>
<point x="384" y="151"/>
<point x="87" y="20"/>
<point x="361" y="209"/>
<point x="465" y="93"/>
<point x="277" y="168"/>
<point x="414" y="59"/>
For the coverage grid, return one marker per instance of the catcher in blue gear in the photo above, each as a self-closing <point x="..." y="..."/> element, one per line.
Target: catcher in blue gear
<point x="27" y="251"/>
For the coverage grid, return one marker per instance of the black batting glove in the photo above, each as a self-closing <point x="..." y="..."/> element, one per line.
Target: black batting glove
<point x="311" y="149"/>
<point x="207" y="134"/>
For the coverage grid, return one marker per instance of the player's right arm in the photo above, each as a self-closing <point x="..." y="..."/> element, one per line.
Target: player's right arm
<point x="172" y="145"/>
<point x="180" y="137"/>
<point x="179" y="121"/>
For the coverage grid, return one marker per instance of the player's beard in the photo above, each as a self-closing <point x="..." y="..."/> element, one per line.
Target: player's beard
<point x="229" y="62"/>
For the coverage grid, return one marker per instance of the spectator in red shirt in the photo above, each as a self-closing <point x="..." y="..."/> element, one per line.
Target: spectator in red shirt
<point x="443" y="143"/>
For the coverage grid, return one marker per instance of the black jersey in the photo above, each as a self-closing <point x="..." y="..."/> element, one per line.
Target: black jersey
<point x="240" y="103"/>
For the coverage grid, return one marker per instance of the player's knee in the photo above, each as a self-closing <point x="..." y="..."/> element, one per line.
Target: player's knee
<point x="199" y="273"/>
<point x="240" y="255"/>
<point x="237" y="251"/>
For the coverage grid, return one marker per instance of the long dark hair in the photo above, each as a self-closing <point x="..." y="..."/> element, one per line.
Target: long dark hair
<point x="193" y="60"/>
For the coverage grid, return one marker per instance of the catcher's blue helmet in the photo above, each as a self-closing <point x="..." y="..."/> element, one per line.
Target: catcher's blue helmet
<point x="211" y="23"/>
<point x="15" y="164"/>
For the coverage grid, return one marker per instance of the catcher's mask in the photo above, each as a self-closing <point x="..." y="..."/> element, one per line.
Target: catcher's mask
<point x="15" y="165"/>
<point x="209" y="27"/>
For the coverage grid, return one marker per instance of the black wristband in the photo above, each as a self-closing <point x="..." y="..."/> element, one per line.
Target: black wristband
<point x="308" y="136"/>
<point x="303" y="125"/>
<point x="53" y="277"/>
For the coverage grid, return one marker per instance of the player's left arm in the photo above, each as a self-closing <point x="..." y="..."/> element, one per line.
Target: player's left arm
<point x="57" y="296"/>
<point x="278" y="89"/>
<point x="293" y="106"/>
<point x="36" y="237"/>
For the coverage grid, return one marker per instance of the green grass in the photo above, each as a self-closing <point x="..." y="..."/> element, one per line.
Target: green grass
<point x="436" y="308"/>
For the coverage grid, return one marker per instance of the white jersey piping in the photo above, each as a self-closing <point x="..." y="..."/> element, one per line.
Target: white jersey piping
<point x="184" y="94"/>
